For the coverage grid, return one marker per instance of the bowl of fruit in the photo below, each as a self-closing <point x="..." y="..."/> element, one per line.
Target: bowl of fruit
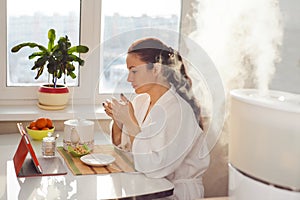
<point x="39" y="128"/>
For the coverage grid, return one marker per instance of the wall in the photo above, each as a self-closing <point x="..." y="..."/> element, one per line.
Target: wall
<point x="287" y="74"/>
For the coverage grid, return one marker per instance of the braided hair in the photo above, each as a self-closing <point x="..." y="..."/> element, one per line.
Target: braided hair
<point x="152" y="50"/>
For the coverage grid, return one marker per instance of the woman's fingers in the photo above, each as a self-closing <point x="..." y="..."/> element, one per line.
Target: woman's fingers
<point x="108" y="103"/>
<point x="107" y="109"/>
<point x="124" y="98"/>
<point x="117" y="108"/>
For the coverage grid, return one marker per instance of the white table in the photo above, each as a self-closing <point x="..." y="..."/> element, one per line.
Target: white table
<point x="104" y="186"/>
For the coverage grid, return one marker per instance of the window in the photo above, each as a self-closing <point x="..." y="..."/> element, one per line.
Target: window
<point x="90" y="22"/>
<point x="30" y="21"/>
<point x="125" y="21"/>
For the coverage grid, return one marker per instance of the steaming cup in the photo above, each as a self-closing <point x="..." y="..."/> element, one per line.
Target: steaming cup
<point x="85" y="130"/>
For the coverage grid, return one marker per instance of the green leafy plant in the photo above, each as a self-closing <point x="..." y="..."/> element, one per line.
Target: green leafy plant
<point x="58" y="58"/>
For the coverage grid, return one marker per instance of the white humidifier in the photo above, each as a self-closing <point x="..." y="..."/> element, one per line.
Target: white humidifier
<point x="264" y="145"/>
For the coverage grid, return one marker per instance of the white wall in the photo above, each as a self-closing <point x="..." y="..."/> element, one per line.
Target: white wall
<point x="287" y="76"/>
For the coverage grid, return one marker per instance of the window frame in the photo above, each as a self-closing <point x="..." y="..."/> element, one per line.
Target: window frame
<point x="90" y="35"/>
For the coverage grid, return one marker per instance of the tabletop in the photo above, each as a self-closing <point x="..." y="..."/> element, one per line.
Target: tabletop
<point x="102" y="186"/>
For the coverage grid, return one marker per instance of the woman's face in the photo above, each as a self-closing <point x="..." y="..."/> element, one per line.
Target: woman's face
<point x="141" y="78"/>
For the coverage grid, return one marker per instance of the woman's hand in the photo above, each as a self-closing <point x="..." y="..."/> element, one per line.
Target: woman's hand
<point x="108" y="108"/>
<point x="117" y="126"/>
<point x="122" y="111"/>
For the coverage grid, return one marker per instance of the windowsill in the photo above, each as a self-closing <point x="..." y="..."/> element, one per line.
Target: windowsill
<point x="29" y="112"/>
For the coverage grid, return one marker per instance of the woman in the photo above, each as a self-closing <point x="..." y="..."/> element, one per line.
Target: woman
<point x="162" y="126"/>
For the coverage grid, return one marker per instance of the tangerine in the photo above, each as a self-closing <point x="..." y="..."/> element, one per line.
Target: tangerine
<point x="34" y="128"/>
<point x="49" y="123"/>
<point x="32" y="124"/>
<point x="41" y="123"/>
<point x="45" y="128"/>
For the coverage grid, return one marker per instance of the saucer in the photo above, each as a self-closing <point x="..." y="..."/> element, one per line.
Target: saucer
<point x="97" y="159"/>
<point x="45" y="107"/>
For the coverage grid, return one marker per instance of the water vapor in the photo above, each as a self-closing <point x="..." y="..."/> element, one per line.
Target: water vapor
<point x="242" y="37"/>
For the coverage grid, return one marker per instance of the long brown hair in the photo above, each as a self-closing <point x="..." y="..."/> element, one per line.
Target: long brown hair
<point x="152" y="50"/>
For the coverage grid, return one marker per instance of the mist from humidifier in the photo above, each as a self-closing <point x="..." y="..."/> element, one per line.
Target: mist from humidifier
<point x="242" y="38"/>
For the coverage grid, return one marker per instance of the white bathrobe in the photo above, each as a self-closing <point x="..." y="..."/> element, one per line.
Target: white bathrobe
<point x="171" y="144"/>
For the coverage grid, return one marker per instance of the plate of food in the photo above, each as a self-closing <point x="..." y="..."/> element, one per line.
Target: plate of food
<point x="97" y="159"/>
<point x="79" y="150"/>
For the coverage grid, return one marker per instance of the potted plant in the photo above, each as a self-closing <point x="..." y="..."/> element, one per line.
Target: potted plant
<point x="59" y="59"/>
